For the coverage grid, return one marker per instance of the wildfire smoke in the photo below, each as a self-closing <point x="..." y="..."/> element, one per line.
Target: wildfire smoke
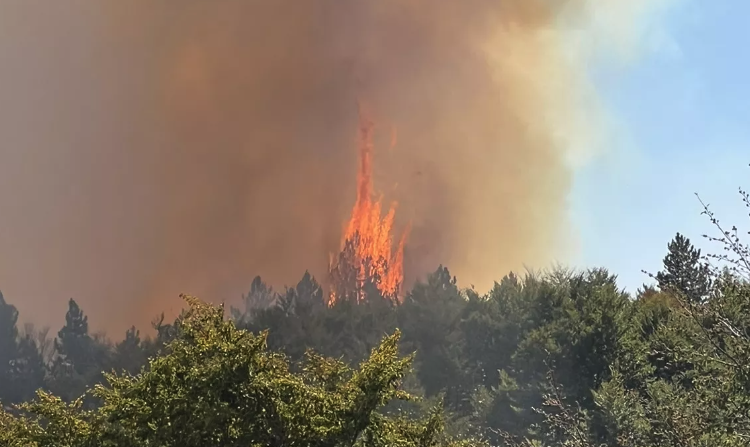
<point x="158" y="147"/>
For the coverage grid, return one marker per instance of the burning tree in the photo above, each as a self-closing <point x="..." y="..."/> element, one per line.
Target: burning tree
<point x="368" y="257"/>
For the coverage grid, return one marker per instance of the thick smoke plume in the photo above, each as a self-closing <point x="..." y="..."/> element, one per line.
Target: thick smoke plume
<point x="151" y="148"/>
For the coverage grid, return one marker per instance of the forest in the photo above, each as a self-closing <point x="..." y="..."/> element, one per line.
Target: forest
<point x="558" y="358"/>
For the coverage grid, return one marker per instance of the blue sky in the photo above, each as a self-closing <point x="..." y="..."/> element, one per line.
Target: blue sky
<point x="684" y="122"/>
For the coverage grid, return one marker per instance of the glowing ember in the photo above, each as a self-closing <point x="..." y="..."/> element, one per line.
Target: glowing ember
<point x="367" y="253"/>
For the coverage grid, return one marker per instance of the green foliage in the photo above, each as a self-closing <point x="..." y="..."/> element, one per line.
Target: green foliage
<point x="219" y="386"/>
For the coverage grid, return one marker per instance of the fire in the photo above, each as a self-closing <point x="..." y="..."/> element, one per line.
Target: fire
<point x="367" y="250"/>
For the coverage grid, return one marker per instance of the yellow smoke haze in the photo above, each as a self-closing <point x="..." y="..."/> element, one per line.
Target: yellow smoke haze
<point x="157" y="147"/>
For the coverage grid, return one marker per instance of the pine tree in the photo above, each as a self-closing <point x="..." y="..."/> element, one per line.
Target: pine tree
<point x="73" y="340"/>
<point x="73" y="368"/>
<point x="8" y="350"/>
<point x="130" y="355"/>
<point x="431" y="316"/>
<point x="684" y="273"/>
<point x="21" y="365"/>
<point x="29" y="368"/>
<point x="261" y="296"/>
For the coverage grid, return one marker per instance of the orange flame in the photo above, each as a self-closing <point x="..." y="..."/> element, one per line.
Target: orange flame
<point x="367" y="252"/>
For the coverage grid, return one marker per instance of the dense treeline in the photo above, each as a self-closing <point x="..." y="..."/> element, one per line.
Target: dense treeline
<point x="561" y="358"/>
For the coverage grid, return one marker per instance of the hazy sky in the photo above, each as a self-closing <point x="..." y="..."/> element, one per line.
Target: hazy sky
<point x="682" y="112"/>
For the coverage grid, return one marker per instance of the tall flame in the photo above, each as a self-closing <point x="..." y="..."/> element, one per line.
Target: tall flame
<point x="367" y="252"/>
